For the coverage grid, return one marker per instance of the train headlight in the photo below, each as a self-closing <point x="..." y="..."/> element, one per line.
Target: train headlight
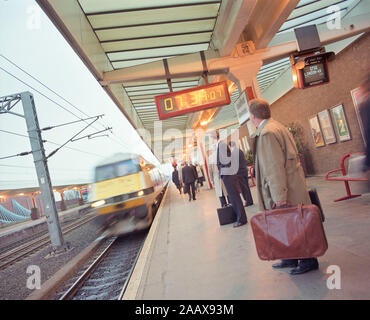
<point x="98" y="203"/>
<point x="140" y="193"/>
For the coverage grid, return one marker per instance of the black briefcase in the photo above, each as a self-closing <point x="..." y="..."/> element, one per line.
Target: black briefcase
<point x="316" y="201"/>
<point x="226" y="215"/>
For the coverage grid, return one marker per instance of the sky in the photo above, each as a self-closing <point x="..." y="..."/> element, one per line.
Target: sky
<point x="30" y="40"/>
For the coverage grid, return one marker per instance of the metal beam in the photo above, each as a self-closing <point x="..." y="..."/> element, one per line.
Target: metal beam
<point x="232" y="19"/>
<point x="266" y="19"/>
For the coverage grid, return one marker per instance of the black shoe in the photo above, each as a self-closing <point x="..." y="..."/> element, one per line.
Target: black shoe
<point x="189" y="200"/>
<point x="248" y="204"/>
<point x="285" y="264"/>
<point x="302" y="268"/>
<point x="238" y="224"/>
<point x="194" y="199"/>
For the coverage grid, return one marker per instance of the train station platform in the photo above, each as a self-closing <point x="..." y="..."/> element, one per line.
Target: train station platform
<point x="188" y="255"/>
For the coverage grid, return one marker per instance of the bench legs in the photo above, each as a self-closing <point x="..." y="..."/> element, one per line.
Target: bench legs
<point x="349" y="194"/>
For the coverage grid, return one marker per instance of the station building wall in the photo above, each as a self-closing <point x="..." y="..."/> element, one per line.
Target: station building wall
<point x="298" y="105"/>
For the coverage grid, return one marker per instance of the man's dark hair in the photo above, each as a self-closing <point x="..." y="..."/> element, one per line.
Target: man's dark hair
<point x="260" y="108"/>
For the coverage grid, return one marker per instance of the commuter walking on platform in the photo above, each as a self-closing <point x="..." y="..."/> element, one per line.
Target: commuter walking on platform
<point x="189" y="178"/>
<point x="228" y="167"/>
<point x="242" y="174"/>
<point x="196" y="176"/>
<point x="199" y="174"/>
<point x="175" y="178"/>
<point x="279" y="174"/>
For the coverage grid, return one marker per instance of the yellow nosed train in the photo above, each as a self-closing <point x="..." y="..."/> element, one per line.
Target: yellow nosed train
<point x="126" y="193"/>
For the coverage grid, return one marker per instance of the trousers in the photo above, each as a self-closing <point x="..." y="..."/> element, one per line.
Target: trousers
<point x="230" y="182"/>
<point x="191" y="190"/>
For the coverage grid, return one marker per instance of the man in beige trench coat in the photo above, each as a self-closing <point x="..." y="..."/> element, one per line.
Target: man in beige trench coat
<point x="279" y="174"/>
<point x="214" y="174"/>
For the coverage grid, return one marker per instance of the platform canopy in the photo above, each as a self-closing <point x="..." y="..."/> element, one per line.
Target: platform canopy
<point x="127" y="44"/>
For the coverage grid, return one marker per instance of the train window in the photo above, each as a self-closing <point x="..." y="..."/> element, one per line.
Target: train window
<point x="118" y="169"/>
<point x="104" y="173"/>
<point x="127" y="167"/>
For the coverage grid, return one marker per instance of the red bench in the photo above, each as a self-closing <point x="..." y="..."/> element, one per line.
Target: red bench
<point x="354" y="173"/>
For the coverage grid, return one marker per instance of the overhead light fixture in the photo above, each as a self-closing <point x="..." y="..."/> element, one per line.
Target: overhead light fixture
<point x="300" y="64"/>
<point x="203" y="123"/>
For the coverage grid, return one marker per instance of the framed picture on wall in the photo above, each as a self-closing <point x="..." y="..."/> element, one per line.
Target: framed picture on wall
<point x="341" y="123"/>
<point x="327" y="127"/>
<point x="316" y="132"/>
<point x="355" y="93"/>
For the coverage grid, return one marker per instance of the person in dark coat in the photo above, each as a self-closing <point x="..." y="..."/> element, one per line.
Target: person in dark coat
<point x="228" y="167"/>
<point x="364" y="108"/>
<point x="188" y="178"/>
<point x="242" y="174"/>
<point x="175" y="179"/>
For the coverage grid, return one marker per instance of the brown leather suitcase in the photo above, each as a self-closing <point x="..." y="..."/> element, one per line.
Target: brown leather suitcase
<point x="289" y="233"/>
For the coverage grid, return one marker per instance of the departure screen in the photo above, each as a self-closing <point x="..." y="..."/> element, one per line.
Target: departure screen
<point x="191" y="100"/>
<point x="315" y="71"/>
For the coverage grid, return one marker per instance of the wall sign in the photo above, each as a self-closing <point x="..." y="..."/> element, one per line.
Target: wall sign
<point x="241" y="108"/>
<point x="316" y="132"/>
<point x="327" y="127"/>
<point x="341" y="123"/>
<point x="356" y="97"/>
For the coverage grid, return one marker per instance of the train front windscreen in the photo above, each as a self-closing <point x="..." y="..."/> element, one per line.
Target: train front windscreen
<point x="115" y="170"/>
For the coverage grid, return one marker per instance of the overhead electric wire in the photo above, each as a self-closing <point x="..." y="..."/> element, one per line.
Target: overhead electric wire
<point x="48" y="141"/>
<point x="54" y="169"/>
<point x="39" y="92"/>
<point x="61" y="97"/>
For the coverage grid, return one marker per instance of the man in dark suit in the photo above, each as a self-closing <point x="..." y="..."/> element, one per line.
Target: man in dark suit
<point x="188" y="178"/>
<point x="175" y="178"/>
<point x="242" y="174"/>
<point x="228" y="167"/>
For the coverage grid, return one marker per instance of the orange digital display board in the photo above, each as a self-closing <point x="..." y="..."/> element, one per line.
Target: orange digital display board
<point x="192" y="100"/>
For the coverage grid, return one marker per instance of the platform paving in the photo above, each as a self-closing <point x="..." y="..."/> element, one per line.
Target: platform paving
<point x="192" y="257"/>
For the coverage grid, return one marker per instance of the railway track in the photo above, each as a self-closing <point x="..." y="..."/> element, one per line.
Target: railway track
<point x="107" y="276"/>
<point x="25" y="249"/>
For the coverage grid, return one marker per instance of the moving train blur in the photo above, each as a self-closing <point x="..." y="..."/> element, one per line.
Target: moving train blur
<point x="126" y="192"/>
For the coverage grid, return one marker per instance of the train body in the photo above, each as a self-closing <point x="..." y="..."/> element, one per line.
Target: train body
<point x="126" y="193"/>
